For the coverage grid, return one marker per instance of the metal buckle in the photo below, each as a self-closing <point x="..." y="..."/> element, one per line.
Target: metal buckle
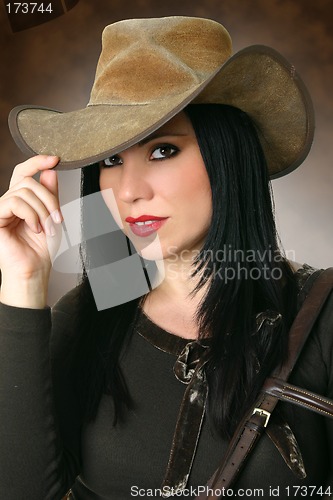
<point x="262" y="413"/>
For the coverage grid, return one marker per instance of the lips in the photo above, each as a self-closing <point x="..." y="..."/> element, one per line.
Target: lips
<point x="143" y="218"/>
<point x="145" y="225"/>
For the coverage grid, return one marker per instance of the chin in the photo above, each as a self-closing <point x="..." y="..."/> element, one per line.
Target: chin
<point x="148" y="248"/>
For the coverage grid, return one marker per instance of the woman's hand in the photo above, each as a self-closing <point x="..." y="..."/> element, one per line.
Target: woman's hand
<point x="29" y="229"/>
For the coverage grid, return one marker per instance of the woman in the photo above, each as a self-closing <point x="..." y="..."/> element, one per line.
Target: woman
<point x="189" y="177"/>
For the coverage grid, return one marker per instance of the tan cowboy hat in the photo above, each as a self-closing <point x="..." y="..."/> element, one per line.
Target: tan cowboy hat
<point x="149" y="70"/>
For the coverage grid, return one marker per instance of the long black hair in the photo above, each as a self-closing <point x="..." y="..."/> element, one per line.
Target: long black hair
<point x="242" y="264"/>
<point x="241" y="258"/>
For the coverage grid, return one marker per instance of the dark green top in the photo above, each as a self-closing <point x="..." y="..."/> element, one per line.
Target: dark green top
<point x="43" y="448"/>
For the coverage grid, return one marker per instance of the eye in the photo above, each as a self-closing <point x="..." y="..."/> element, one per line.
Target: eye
<point x="112" y="161"/>
<point x="164" y="151"/>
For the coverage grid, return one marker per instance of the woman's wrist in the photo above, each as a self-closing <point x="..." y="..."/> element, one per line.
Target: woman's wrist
<point x="29" y="292"/>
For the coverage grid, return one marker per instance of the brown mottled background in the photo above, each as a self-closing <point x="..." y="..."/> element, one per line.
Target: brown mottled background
<point x="53" y="65"/>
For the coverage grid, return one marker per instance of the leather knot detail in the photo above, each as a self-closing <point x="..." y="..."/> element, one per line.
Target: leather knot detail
<point x="191" y="357"/>
<point x="190" y="360"/>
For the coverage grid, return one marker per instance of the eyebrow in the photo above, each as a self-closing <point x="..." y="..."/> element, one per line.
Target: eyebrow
<point x="158" y="135"/>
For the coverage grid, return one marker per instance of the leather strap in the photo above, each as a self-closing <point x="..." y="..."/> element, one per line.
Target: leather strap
<point x="305" y="320"/>
<point x="253" y="424"/>
<point x="298" y="396"/>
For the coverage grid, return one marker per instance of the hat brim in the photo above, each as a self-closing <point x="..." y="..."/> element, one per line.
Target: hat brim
<point x="257" y="80"/>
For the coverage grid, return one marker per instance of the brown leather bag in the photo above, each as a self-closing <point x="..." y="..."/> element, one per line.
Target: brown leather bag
<point x="275" y="388"/>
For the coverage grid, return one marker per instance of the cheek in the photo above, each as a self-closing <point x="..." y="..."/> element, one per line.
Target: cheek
<point x="193" y="192"/>
<point x="108" y="195"/>
<point x="106" y="179"/>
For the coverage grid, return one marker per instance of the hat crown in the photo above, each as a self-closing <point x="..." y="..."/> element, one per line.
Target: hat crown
<point x="144" y="60"/>
<point x="151" y="69"/>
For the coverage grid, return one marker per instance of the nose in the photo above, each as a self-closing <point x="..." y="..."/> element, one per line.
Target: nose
<point x="133" y="182"/>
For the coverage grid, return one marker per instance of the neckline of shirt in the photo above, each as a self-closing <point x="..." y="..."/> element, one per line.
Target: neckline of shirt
<point x="171" y="343"/>
<point x="162" y="339"/>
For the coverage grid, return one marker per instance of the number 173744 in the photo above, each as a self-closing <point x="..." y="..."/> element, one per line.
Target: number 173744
<point x="28" y="8"/>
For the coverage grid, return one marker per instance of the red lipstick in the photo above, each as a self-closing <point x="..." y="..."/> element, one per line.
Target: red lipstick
<point x="145" y="225"/>
<point x="143" y="218"/>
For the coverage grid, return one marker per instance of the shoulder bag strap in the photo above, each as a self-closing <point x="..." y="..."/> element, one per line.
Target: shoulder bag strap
<point x="252" y="426"/>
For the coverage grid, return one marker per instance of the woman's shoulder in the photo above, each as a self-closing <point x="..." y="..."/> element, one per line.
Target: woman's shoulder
<point x="304" y="275"/>
<point x="69" y="301"/>
<point x="323" y="333"/>
<point x="317" y="355"/>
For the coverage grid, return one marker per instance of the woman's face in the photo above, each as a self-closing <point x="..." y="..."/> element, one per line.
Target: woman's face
<point x="161" y="180"/>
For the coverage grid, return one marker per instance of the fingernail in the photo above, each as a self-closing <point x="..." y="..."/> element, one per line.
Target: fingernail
<point x="56" y="216"/>
<point x="49" y="227"/>
<point x="50" y="159"/>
